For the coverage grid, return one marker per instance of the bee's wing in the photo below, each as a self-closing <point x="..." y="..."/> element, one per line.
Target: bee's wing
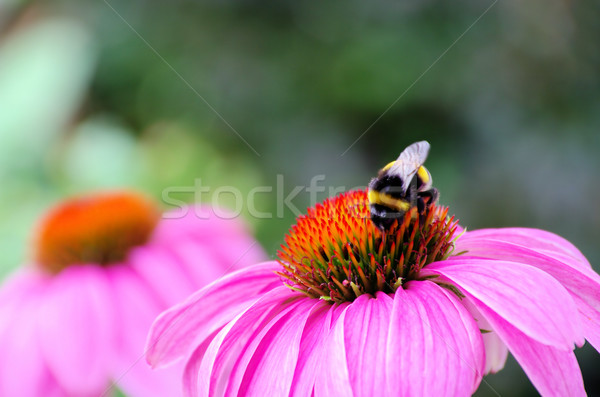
<point x="409" y="162"/>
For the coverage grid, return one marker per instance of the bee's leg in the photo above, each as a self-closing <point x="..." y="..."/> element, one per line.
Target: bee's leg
<point x="421" y="204"/>
<point x="435" y="195"/>
<point x="425" y="200"/>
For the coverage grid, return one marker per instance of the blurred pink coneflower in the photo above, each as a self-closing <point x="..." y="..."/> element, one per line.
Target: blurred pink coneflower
<point x="103" y="268"/>
<point x="424" y="309"/>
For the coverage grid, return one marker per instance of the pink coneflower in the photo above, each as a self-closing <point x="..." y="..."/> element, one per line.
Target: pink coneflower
<point x="420" y="310"/>
<point x="104" y="267"/>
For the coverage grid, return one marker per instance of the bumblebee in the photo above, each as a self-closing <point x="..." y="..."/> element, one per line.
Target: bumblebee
<point x="400" y="186"/>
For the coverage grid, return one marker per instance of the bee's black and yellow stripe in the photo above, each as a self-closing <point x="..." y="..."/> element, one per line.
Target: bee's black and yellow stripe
<point x="388" y="200"/>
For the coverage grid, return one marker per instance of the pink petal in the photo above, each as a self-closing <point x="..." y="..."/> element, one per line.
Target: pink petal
<point x="200" y="261"/>
<point x="246" y="371"/>
<point x="525" y="296"/>
<point x="174" y="331"/>
<point x="312" y="348"/>
<point x="473" y="339"/>
<point x="203" y="262"/>
<point x="568" y="259"/>
<point x="197" y="373"/>
<point x="578" y="280"/>
<point x="76" y="329"/>
<point x="199" y="221"/>
<point x="434" y="345"/>
<point x="496" y="351"/>
<point x="426" y="343"/>
<point x="231" y="342"/>
<point x="191" y="251"/>
<point x="237" y="252"/>
<point x="16" y="288"/>
<point x="532" y="238"/>
<point x="137" y="307"/>
<point x="590" y="322"/>
<point x="366" y="326"/>
<point x="20" y="283"/>
<point x="227" y="238"/>
<point x="163" y="273"/>
<point x="23" y="371"/>
<point x="272" y="367"/>
<point x="552" y="371"/>
<point x="334" y="379"/>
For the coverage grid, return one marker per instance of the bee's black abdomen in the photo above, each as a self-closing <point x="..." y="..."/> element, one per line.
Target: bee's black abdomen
<point x="382" y="223"/>
<point x="384" y="217"/>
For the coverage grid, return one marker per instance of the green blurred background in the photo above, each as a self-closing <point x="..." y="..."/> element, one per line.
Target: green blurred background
<point x="97" y="94"/>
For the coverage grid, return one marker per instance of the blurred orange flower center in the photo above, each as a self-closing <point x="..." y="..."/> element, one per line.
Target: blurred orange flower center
<point x="98" y="229"/>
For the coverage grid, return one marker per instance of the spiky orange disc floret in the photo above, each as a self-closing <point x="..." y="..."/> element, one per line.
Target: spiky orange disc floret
<point x="335" y="252"/>
<point x="97" y="229"/>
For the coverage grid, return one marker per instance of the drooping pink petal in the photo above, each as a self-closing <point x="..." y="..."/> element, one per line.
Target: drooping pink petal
<point x="434" y="345"/>
<point x="193" y="250"/>
<point x="312" y="348"/>
<point x="246" y="358"/>
<point x="175" y="330"/>
<point x="200" y="261"/>
<point x="366" y="326"/>
<point x="76" y="329"/>
<point x="238" y="251"/>
<point x="334" y="378"/>
<point x="20" y="283"/>
<point x="136" y="308"/>
<point x="228" y="236"/>
<point x="554" y="372"/>
<point x="581" y="281"/>
<point x="473" y="339"/>
<point x="527" y="297"/>
<point x="590" y="322"/>
<point x="533" y="238"/>
<point x="496" y="351"/>
<point x="162" y="272"/>
<point x="17" y="287"/>
<point x="204" y="263"/>
<point x="273" y="362"/>
<point x="220" y="357"/>
<point x="197" y="377"/>
<point x="199" y="221"/>
<point x="21" y="353"/>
